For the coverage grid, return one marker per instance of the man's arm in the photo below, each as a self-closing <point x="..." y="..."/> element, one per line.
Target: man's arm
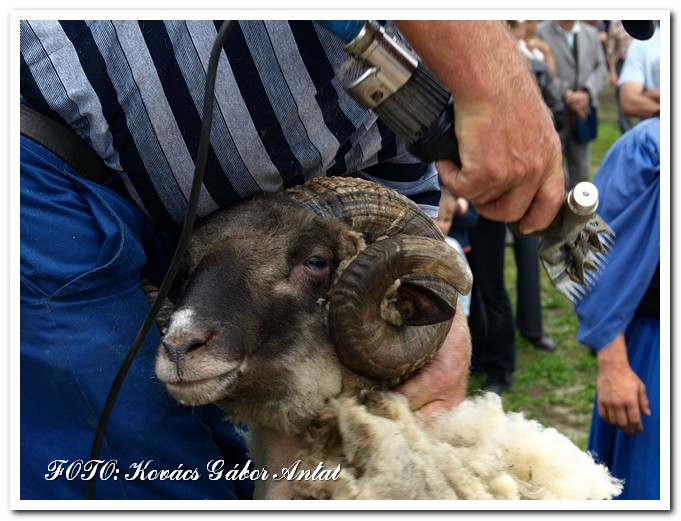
<point x="634" y="99"/>
<point x="611" y="55"/>
<point x="612" y="70"/>
<point x="510" y="152"/>
<point x="637" y="102"/>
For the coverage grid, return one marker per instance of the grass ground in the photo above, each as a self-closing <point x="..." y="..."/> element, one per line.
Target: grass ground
<point x="557" y="388"/>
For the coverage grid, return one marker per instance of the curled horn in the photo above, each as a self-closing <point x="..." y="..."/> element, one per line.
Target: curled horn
<point x="391" y="309"/>
<point x="366" y="337"/>
<point x="365" y="207"/>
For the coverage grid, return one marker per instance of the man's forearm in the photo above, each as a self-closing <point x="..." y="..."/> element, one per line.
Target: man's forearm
<point x="469" y="56"/>
<point x="614" y="355"/>
<point x="636" y="103"/>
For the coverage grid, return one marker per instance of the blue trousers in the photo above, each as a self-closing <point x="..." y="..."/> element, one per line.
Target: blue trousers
<point x="83" y="248"/>
<point x="636" y="458"/>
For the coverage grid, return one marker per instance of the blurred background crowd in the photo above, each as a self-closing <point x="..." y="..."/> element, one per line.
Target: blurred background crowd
<point x="529" y="344"/>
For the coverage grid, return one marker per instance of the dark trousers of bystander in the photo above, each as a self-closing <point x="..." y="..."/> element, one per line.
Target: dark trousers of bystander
<point x="491" y="320"/>
<point x="528" y="308"/>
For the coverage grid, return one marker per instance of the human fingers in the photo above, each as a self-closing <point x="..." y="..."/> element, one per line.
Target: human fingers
<point x="441" y="382"/>
<point x="506" y="188"/>
<point x="643" y="401"/>
<point x="457" y="182"/>
<point x="545" y="204"/>
<point x="621" y="420"/>
<point x="634" y="416"/>
<point x="607" y="410"/>
<point x="603" y="411"/>
<point x="509" y="207"/>
<point x="533" y="211"/>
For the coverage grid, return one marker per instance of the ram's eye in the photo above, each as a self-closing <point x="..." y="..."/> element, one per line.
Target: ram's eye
<point x="316" y="263"/>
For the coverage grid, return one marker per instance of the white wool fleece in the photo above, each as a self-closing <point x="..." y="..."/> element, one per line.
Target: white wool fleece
<point x="476" y="451"/>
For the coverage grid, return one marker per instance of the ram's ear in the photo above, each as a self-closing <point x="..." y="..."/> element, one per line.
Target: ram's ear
<point x="167" y="309"/>
<point x="426" y="300"/>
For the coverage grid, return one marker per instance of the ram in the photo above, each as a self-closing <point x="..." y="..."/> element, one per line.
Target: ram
<point x="296" y="312"/>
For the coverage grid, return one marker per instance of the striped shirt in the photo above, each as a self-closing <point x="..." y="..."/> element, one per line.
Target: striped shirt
<point x="134" y="90"/>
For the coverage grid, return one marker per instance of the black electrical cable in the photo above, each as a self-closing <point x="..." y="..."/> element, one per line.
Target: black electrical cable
<point x="202" y="155"/>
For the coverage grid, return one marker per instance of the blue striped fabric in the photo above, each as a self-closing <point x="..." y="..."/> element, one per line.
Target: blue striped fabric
<point x="134" y="91"/>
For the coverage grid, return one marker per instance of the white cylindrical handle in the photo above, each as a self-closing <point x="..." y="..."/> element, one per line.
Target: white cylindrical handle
<point x="583" y="199"/>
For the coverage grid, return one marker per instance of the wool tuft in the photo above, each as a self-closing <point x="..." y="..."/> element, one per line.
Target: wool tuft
<point x="475" y="451"/>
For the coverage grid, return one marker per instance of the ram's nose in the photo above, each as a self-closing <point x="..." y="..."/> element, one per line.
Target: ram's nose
<point x="178" y="345"/>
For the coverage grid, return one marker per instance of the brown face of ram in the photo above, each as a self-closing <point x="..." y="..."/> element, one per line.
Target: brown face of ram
<point x="250" y="329"/>
<point x="250" y="324"/>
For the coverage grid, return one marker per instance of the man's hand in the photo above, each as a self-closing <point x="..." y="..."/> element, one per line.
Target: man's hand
<point x="510" y="152"/>
<point x="536" y="43"/>
<point x="511" y="164"/>
<point x="621" y="393"/>
<point x="441" y="384"/>
<point x="578" y="102"/>
<point x="613" y="77"/>
<point x="653" y="94"/>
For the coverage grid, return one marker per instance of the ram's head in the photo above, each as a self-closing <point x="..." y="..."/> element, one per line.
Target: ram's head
<point x="276" y="291"/>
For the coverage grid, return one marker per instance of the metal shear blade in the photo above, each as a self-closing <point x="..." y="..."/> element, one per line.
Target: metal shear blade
<point x="575" y="261"/>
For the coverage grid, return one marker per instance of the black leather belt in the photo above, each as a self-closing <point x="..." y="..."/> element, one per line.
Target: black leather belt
<point x="64" y="143"/>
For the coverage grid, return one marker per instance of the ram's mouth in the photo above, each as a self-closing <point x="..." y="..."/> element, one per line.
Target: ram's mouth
<point x="204" y="390"/>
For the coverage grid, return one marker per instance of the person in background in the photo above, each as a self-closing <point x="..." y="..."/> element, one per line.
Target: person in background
<point x="618" y="45"/>
<point x="581" y="73"/>
<point x="491" y="320"/>
<point x="535" y="47"/>
<point x="464" y="220"/>
<point x="602" y="28"/>
<point x="620" y="316"/>
<point x="639" y="80"/>
<point x="543" y="66"/>
<point x="528" y="305"/>
<point x="450" y="206"/>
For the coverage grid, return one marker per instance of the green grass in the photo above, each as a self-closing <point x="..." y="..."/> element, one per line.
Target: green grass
<point x="557" y="388"/>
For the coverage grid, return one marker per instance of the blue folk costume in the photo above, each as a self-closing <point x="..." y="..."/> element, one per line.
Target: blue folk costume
<point x="133" y="91"/>
<point x="284" y="118"/>
<point x="626" y="299"/>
